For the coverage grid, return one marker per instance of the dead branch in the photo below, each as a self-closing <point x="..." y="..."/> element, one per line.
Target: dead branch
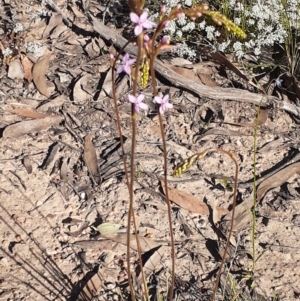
<point x="201" y="90"/>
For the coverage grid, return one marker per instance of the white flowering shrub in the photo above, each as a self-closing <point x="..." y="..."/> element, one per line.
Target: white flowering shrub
<point x="264" y="21"/>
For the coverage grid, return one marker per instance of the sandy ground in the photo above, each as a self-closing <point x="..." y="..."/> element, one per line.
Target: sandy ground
<point x="49" y="201"/>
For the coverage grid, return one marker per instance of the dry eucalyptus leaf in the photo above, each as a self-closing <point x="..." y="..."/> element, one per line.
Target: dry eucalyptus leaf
<point x="223" y="60"/>
<point x="56" y="102"/>
<point x="32" y="126"/>
<point x="179" y="61"/>
<point x="90" y="158"/>
<point x="277" y="179"/>
<point x="27" y="68"/>
<point x="207" y="80"/>
<point x="28" y="113"/>
<point x="272" y="145"/>
<point x="186" y="201"/>
<point x="153" y="263"/>
<point x="52" y="151"/>
<point x="222" y="132"/>
<point x="262" y="118"/>
<point x="187" y="73"/>
<point x="79" y="94"/>
<point x="63" y="176"/>
<point x="15" y="70"/>
<point x="54" y="21"/>
<point x="146" y="243"/>
<point x="107" y="86"/>
<point x="39" y="74"/>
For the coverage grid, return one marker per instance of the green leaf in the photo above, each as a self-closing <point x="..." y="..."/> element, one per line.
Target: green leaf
<point x="107" y="228"/>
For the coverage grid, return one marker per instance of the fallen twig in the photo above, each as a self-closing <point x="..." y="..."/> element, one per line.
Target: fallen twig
<point x="184" y="83"/>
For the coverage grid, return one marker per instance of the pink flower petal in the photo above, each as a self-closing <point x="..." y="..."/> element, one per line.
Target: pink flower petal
<point x="134" y="18"/>
<point x="161" y="110"/>
<point x="148" y="24"/>
<point x="157" y="99"/>
<point x="140" y="98"/>
<point x="131" y="98"/>
<point x="137" y="108"/>
<point x="131" y="62"/>
<point x="166" y="98"/>
<point x="169" y="105"/>
<point x="143" y="106"/>
<point x="120" y="69"/>
<point x="138" y="30"/>
<point x="143" y="17"/>
<point x="127" y="69"/>
<point x="126" y="57"/>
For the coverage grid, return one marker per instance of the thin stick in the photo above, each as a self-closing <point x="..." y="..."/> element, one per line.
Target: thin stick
<point x="232" y="217"/>
<point x="153" y="78"/>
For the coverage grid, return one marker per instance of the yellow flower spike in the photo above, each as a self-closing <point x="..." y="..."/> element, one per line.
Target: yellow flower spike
<point x="228" y="24"/>
<point x="144" y="77"/>
<point x="185" y="165"/>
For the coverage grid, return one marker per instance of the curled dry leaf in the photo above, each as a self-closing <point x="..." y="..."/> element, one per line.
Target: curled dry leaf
<point x="27" y="164"/>
<point x="63" y="176"/>
<point x="39" y="74"/>
<point x="79" y="230"/>
<point x="218" y="212"/>
<point x="92" y="286"/>
<point x="277" y="179"/>
<point x="32" y="126"/>
<point x="90" y="158"/>
<point x="107" y="86"/>
<point x="186" y="201"/>
<point x="28" y="113"/>
<point x="153" y="263"/>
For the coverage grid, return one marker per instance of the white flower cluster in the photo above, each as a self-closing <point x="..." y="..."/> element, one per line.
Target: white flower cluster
<point x="184" y="50"/>
<point x="264" y="21"/>
<point x="18" y="27"/>
<point x="32" y="47"/>
<point x="7" y="51"/>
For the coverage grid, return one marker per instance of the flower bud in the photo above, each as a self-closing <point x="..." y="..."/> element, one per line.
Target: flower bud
<point x="163" y="9"/>
<point x="166" y="23"/>
<point x="165" y="40"/>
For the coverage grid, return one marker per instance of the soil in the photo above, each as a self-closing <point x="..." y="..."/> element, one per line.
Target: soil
<point x="53" y="194"/>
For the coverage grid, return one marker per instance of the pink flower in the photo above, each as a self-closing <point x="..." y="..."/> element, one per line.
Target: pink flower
<point x="141" y="22"/>
<point x="126" y="66"/>
<point x="164" y="103"/>
<point x="138" y="102"/>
